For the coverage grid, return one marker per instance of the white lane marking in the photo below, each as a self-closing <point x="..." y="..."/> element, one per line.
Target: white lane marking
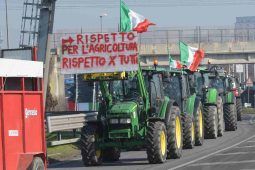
<point x="245" y="146"/>
<point x="206" y="156"/>
<point x="234" y="153"/>
<point x="223" y="163"/>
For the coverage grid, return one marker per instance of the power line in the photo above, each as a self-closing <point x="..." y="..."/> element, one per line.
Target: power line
<point x="67" y="4"/>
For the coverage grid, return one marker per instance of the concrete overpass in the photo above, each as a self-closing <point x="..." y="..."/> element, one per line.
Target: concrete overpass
<point x="216" y="53"/>
<point x="228" y="54"/>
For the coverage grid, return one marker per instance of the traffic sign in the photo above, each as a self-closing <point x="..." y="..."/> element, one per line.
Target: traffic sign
<point x="239" y="68"/>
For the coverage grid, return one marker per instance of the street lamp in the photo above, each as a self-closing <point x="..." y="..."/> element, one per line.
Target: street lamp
<point x="94" y="88"/>
<point x="101" y="21"/>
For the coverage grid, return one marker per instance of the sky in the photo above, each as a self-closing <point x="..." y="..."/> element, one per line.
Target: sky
<point x="85" y="14"/>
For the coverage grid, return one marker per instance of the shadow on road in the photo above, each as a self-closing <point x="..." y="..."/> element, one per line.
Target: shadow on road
<point x="121" y="162"/>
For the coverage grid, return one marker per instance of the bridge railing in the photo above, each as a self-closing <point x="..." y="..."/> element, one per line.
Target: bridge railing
<point x="198" y="35"/>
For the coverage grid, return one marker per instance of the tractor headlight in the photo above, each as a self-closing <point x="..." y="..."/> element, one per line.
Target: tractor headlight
<point x="125" y="121"/>
<point x="114" y="121"/>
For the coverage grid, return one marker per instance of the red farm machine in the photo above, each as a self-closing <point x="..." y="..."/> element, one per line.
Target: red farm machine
<point x="22" y="130"/>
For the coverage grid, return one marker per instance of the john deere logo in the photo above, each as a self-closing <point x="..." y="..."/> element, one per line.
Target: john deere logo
<point x="30" y="112"/>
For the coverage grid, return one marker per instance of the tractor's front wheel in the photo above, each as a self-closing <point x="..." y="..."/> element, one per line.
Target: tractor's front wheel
<point x="199" y="126"/>
<point x="221" y="123"/>
<point x="91" y="156"/>
<point x="188" y="131"/>
<point x="156" y="142"/>
<point x="211" y="122"/>
<point x="239" y="109"/>
<point x="174" y="134"/>
<point x="230" y="117"/>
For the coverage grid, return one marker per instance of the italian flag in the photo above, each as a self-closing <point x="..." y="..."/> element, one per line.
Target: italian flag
<point x="190" y="56"/>
<point x="175" y="64"/>
<point x="132" y="21"/>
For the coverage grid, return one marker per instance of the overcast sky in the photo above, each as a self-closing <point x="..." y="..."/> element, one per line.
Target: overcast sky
<point x="77" y="14"/>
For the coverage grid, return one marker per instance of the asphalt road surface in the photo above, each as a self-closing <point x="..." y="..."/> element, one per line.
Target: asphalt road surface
<point x="233" y="151"/>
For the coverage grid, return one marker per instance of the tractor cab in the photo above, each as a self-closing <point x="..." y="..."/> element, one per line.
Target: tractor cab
<point x="177" y="87"/>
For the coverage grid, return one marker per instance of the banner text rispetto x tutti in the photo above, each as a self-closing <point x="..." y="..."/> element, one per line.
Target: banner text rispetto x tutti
<point x="99" y="53"/>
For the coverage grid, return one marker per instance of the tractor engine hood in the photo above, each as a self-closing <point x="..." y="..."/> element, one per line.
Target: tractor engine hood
<point x="123" y="108"/>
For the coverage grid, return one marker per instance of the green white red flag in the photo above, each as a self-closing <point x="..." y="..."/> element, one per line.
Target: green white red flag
<point x="174" y="63"/>
<point x="190" y="56"/>
<point x="132" y="21"/>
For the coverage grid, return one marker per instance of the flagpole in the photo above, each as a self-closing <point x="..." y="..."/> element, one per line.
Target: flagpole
<point x="168" y="51"/>
<point x="120" y="18"/>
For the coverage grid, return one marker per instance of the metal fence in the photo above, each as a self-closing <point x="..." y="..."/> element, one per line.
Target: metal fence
<point x="188" y="35"/>
<point x="198" y="35"/>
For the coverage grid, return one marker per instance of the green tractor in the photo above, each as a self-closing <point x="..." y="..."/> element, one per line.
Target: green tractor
<point x="133" y="113"/>
<point x="212" y="103"/>
<point x="225" y="84"/>
<point x="190" y="106"/>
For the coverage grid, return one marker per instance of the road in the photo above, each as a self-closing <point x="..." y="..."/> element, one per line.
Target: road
<point x="233" y="151"/>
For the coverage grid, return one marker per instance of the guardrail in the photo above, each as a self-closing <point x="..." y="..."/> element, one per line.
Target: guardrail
<point x="69" y="122"/>
<point x="65" y="121"/>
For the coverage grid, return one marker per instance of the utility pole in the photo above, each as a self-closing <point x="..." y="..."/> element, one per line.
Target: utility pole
<point x="101" y="23"/>
<point x="7" y="25"/>
<point x="45" y="26"/>
<point x="46" y="21"/>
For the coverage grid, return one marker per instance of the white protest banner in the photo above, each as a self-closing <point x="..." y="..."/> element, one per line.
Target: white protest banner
<point x="99" y="53"/>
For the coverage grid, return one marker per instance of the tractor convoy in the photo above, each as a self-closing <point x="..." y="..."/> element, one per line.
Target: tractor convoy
<point x="160" y="110"/>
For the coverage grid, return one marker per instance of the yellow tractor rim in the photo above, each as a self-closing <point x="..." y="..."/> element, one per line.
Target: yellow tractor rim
<point x="163" y="142"/>
<point x="192" y="131"/>
<point x="98" y="153"/>
<point x="200" y="124"/>
<point x="178" y="133"/>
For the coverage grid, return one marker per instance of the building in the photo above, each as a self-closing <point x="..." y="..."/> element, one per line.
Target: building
<point x="1" y="39"/>
<point x="247" y="22"/>
<point x="245" y="28"/>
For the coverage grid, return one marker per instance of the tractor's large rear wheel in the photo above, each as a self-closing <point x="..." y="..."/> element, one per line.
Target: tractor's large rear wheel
<point x="91" y="156"/>
<point x="156" y="142"/>
<point x="174" y="134"/>
<point x="239" y="109"/>
<point x="211" y="122"/>
<point x="199" y="126"/>
<point x="230" y="117"/>
<point x="188" y="127"/>
<point x="221" y="123"/>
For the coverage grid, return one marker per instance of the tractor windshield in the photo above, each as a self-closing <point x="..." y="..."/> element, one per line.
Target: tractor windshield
<point x="123" y="90"/>
<point x="172" y="88"/>
<point x="202" y="81"/>
<point x="217" y="82"/>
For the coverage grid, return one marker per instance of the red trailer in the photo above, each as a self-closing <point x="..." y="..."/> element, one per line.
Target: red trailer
<point x="22" y="132"/>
